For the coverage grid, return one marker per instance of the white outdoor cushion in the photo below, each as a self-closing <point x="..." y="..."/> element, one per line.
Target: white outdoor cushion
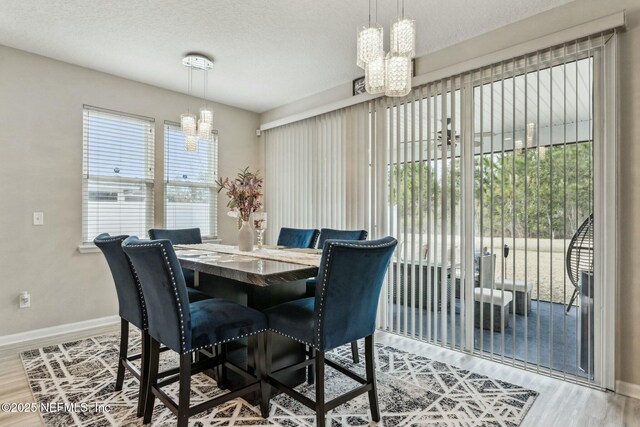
<point x="520" y="285"/>
<point x="495" y="299"/>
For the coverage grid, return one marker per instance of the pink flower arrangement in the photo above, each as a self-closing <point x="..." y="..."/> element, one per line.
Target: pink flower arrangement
<point x="244" y="193"/>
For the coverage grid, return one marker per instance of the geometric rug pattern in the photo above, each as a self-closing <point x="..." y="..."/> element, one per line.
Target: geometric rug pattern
<point x="75" y="381"/>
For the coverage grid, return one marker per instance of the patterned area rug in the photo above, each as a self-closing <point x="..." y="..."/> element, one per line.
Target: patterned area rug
<point x="413" y="390"/>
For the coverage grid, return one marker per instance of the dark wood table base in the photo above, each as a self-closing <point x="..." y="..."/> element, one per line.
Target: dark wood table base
<point x="285" y="352"/>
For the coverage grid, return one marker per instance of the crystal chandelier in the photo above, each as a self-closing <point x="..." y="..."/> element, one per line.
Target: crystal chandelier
<point x="391" y="73"/>
<point x="200" y="127"/>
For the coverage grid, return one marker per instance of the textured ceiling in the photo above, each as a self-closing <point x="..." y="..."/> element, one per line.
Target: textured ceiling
<point x="267" y="52"/>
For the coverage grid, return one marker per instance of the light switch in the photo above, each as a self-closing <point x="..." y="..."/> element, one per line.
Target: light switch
<point x="38" y="218"/>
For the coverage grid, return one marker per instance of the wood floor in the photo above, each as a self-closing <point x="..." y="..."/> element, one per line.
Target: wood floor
<point x="559" y="403"/>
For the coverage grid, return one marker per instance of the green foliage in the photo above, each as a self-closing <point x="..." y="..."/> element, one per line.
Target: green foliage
<point x="544" y="192"/>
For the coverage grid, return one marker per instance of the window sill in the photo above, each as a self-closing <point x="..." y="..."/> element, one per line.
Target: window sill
<point x="88" y="248"/>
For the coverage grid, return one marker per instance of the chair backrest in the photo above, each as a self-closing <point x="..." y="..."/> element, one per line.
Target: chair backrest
<point x="165" y="293"/>
<point x="348" y="288"/>
<point x="181" y="236"/>
<point x="329" y="233"/>
<point x="487" y="270"/>
<point x="580" y="251"/>
<point x="298" y="237"/>
<point x="177" y="236"/>
<point x="130" y="299"/>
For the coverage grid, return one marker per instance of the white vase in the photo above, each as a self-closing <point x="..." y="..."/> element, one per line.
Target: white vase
<point x="245" y="237"/>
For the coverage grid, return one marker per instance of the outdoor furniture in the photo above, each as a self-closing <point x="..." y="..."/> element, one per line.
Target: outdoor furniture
<point x="496" y="302"/>
<point x="580" y="255"/>
<point x="490" y="301"/>
<point x="523" y="293"/>
<point x="586" y="322"/>
<point x="430" y="289"/>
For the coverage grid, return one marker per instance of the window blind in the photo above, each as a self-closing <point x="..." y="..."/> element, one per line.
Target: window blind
<point x="314" y="172"/>
<point x="117" y="183"/>
<point x="190" y="191"/>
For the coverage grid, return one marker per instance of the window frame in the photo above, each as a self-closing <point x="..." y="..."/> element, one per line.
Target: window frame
<point x="212" y="164"/>
<point x="87" y="178"/>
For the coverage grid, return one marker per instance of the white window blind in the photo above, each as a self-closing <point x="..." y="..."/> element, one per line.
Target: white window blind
<point x="117" y="183"/>
<point x="190" y="191"/>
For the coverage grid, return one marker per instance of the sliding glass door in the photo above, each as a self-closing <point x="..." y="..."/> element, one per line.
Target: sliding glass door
<point x="490" y="193"/>
<point x="496" y="183"/>
<point x="533" y="216"/>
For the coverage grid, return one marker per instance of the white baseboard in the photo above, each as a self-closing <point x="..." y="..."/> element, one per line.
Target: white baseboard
<point x="57" y="330"/>
<point x="628" y="389"/>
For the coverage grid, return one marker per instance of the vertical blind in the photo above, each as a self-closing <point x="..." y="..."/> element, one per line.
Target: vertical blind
<point x="117" y="184"/>
<point x="190" y="191"/>
<point x="456" y="170"/>
<point x="314" y="172"/>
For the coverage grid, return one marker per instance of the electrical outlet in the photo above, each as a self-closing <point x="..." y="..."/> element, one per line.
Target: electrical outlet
<point x="25" y="300"/>
<point x="38" y="218"/>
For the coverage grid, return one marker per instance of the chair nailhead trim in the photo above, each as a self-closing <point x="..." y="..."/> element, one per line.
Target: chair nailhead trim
<point x="142" y="303"/>
<point x="111" y="239"/>
<point x="135" y="276"/>
<point x="324" y="278"/>
<point x="294" y="338"/>
<point x="175" y="290"/>
<point x="224" y="341"/>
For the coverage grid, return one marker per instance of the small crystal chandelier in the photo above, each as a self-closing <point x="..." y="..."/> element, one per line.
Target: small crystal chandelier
<point x="375" y="75"/>
<point x="390" y="73"/>
<point x="193" y="127"/>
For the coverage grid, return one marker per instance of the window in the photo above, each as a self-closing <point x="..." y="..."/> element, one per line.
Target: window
<point x="190" y="192"/>
<point x="117" y="183"/>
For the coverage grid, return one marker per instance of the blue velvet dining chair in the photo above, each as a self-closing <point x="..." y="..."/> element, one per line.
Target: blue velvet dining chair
<point x="179" y="236"/>
<point x="186" y="328"/>
<point x="343" y="310"/>
<point x="333" y="234"/>
<point x="131" y="308"/>
<point x="298" y="237"/>
<point x="326" y="234"/>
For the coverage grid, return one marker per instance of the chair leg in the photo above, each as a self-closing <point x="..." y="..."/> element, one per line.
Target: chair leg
<point x="371" y="377"/>
<point x="222" y="372"/>
<point x="152" y="379"/>
<point x="573" y="297"/>
<point x="185" y="390"/>
<point x="354" y="352"/>
<point x="310" y="369"/>
<point x="320" y="411"/>
<point x="261" y="372"/>
<point x="124" y="348"/>
<point x="215" y="350"/>
<point x="144" y="372"/>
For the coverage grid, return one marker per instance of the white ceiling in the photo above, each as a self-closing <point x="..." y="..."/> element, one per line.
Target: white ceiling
<point x="267" y="52"/>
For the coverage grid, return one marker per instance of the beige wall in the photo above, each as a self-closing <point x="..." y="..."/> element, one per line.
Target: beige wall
<point x="41" y="170"/>
<point x="577" y="12"/>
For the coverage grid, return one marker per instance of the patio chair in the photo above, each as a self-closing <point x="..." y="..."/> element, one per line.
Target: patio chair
<point x="580" y="255"/>
<point x="495" y="302"/>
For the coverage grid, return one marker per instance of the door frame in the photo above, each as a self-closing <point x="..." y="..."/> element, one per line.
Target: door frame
<point x="605" y="142"/>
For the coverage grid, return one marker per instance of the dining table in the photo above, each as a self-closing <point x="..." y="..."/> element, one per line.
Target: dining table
<point x="258" y="279"/>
